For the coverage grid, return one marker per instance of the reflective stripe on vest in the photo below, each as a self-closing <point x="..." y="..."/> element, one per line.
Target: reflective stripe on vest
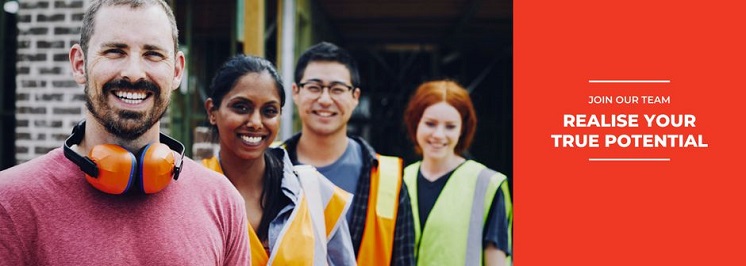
<point x="377" y="242"/>
<point x="338" y="204"/>
<point x="461" y="210"/>
<point x="306" y="224"/>
<point x="509" y="215"/>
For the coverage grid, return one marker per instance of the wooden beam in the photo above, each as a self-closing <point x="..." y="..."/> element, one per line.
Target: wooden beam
<point x="253" y="37"/>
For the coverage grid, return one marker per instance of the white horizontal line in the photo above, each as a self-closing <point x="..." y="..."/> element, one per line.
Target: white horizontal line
<point x="629" y="159"/>
<point x="629" y="81"/>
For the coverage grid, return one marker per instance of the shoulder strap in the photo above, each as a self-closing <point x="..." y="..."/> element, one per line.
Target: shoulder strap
<point x="212" y="163"/>
<point x="410" y="179"/>
<point x="277" y="144"/>
<point x="308" y="176"/>
<point x="389" y="183"/>
<point x="337" y="205"/>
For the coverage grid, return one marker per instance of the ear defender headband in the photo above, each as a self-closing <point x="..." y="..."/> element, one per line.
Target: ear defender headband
<point x="114" y="170"/>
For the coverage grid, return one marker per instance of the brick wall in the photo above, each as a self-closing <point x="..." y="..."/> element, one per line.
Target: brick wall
<point x="204" y="146"/>
<point x="48" y="101"/>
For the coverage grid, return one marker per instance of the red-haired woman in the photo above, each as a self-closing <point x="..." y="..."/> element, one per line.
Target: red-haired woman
<point x="462" y="209"/>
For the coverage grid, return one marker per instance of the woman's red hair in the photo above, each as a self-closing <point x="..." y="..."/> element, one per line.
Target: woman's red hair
<point x="433" y="92"/>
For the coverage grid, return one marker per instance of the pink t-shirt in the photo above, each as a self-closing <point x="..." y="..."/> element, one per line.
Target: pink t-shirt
<point x="49" y="215"/>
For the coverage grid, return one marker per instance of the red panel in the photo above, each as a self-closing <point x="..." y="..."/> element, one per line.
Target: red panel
<point x="683" y="211"/>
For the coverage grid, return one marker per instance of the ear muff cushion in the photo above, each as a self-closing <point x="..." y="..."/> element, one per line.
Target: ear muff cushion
<point x="157" y="167"/>
<point x="116" y="167"/>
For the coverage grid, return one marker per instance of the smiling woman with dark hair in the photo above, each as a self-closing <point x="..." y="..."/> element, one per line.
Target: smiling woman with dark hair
<point x="282" y="202"/>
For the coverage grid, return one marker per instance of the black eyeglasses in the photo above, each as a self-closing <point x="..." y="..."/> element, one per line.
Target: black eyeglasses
<point x="316" y="88"/>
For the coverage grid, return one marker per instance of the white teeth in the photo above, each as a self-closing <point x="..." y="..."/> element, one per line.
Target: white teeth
<point x="438" y="145"/>
<point x="130" y="95"/>
<point x="131" y="101"/>
<point x="251" y="140"/>
<point x="324" y="114"/>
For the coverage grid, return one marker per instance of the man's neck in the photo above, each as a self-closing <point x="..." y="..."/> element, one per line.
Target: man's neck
<point x="321" y="150"/>
<point x="96" y="134"/>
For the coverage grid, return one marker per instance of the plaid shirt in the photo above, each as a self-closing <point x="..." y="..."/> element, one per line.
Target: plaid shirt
<point x="403" y="249"/>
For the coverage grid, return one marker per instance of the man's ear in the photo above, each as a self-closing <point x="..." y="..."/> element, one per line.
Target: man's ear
<point x="179" y="65"/>
<point x="77" y="63"/>
<point x="295" y="93"/>
<point x="355" y="97"/>
<point x="356" y="93"/>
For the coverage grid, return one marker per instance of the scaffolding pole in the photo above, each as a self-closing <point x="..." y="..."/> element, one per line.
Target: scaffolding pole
<point x="287" y="61"/>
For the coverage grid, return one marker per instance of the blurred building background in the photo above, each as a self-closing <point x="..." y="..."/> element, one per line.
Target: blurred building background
<point x="398" y="45"/>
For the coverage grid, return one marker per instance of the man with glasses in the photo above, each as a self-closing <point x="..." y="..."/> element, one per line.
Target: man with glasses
<point x="326" y="91"/>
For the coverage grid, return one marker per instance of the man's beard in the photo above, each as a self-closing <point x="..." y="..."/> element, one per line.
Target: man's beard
<point x="125" y="124"/>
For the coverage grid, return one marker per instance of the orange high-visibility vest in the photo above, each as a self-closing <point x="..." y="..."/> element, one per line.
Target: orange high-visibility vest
<point x="377" y="243"/>
<point x="305" y="236"/>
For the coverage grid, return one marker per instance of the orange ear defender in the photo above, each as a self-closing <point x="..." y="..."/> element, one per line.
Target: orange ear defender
<point x="114" y="170"/>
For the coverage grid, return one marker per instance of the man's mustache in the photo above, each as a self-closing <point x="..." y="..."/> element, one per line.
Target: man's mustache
<point x="121" y="84"/>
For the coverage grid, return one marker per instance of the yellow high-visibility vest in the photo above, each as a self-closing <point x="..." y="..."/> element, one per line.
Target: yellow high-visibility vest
<point x="461" y="209"/>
